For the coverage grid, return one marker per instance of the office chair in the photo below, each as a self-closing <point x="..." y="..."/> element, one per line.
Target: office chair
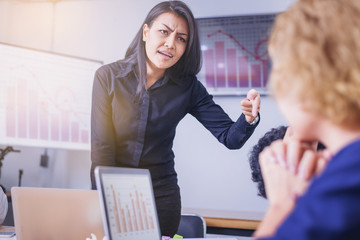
<point x="192" y="226"/>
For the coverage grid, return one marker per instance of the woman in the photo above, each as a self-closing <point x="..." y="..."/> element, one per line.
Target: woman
<point x="139" y="101"/>
<point x="315" y="50"/>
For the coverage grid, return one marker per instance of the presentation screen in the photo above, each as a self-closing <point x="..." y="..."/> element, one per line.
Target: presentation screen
<point x="234" y="50"/>
<point x="45" y="98"/>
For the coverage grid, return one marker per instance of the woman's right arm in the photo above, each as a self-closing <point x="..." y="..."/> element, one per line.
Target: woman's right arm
<point x="102" y="127"/>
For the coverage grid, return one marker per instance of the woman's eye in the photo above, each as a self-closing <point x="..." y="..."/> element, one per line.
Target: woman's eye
<point x="182" y="39"/>
<point x="164" y="31"/>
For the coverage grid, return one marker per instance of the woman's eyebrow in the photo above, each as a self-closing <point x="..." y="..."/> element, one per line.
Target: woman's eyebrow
<point x="172" y="30"/>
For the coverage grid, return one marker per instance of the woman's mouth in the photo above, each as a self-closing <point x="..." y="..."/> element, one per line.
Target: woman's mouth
<point x="166" y="54"/>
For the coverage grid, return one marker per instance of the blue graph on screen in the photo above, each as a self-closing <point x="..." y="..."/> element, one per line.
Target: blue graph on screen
<point x="234" y="50"/>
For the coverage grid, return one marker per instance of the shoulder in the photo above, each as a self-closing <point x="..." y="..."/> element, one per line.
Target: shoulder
<point x="107" y="75"/>
<point x="348" y="158"/>
<point x="198" y="92"/>
<point x="340" y="178"/>
<point x="195" y="85"/>
<point x="110" y="69"/>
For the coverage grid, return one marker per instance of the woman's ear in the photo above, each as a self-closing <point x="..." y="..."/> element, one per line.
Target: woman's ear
<point x="145" y="32"/>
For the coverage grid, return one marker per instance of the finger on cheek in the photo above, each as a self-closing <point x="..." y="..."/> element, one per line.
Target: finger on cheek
<point x="293" y="155"/>
<point x="307" y="166"/>
<point x="321" y="163"/>
<point x="266" y="158"/>
<point x="279" y="150"/>
<point x="326" y="154"/>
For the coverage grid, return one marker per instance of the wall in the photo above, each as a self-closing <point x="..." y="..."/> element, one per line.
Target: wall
<point x="210" y="176"/>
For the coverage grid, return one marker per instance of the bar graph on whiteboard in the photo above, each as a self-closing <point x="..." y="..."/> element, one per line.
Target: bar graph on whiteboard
<point x="234" y="50"/>
<point x="45" y="98"/>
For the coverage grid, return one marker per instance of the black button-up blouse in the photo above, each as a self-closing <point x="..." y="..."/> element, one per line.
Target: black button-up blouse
<point x="140" y="134"/>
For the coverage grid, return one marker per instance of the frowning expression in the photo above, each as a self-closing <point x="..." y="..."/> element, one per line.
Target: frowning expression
<point x="165" y="41"/>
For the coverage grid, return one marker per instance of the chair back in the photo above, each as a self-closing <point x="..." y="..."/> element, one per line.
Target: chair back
<point x="192" y="226"/>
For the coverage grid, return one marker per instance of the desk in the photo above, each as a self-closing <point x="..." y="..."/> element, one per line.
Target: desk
<point x="7" y="228"/>
<point x="228" y="219"/>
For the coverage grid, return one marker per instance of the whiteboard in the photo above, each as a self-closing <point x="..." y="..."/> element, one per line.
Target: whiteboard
<point x="45" y="98"/>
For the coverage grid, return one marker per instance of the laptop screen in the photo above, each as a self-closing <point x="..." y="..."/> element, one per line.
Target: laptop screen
<point x="128" y="205"/>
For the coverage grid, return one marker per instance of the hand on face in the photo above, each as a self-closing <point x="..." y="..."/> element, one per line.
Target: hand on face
<point x="288" y="168"/>
<point x="251" y="105"/>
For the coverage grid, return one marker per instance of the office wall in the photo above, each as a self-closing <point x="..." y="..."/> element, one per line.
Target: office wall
<point x="210" y="176"/>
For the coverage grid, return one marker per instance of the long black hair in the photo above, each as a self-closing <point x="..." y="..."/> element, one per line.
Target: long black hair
<point x="189" y="64"/>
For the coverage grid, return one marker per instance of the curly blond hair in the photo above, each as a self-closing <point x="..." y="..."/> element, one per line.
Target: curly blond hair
<point x="315" y="51"/>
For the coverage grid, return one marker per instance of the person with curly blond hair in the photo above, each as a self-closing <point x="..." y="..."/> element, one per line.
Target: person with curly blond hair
<point x="315" y="80"/>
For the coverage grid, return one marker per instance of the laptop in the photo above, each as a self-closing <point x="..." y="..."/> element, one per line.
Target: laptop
<point x="57" y="214"/>
<point x="127" y="204"/>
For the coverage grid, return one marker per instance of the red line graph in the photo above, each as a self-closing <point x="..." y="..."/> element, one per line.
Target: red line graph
<point x="255" y="55"/>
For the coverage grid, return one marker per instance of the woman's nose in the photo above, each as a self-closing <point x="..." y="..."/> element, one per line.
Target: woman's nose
<point x="170" y="42"/>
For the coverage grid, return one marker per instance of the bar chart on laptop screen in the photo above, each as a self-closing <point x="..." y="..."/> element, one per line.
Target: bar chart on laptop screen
<point x="45" y="98"/>
<point x="130" y="207"/>
<point x="234" y="50"/>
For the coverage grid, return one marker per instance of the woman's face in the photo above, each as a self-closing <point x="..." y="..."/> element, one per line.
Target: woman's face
<point x="165" y="41"/>
<point x="303" y="124"/>
<point x="291" y="135"/>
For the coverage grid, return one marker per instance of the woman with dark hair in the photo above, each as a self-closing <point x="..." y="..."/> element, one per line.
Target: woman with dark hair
<point x="138" y="102"/>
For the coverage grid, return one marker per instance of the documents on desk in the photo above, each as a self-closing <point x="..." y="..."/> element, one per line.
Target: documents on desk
<point x="7" y="232"/>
